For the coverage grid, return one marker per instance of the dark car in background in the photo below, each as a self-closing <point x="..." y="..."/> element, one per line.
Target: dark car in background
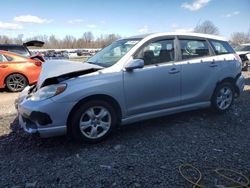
<point x="22" y="49"/>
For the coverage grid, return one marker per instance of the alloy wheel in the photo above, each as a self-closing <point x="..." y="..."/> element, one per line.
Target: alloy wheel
<point x="16" y="82"/>
<point x="95" y="122"/>
<point x="224" y="98"/>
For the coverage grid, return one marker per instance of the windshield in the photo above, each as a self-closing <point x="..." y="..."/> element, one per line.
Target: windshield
<point x="113" y="53"/>
<point x="243" y="48"/>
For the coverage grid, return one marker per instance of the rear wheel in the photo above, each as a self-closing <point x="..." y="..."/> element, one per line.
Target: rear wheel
<point x="223" y="97"/>
<point x="16" y="82"/>
<point x="93" y="121"/>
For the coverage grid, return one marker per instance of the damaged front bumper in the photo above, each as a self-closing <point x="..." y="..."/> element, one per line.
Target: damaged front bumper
<point x="46" y="118"/>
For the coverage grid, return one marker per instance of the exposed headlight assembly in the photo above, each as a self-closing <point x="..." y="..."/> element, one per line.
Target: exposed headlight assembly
<point x="48" y="92"/>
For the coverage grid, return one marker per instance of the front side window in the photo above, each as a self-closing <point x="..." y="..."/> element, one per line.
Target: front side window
<point x="193" y="48"/>
<point x="221" y="47"/>
<point x="113" y="53"/>
<point x="161" y="51"/>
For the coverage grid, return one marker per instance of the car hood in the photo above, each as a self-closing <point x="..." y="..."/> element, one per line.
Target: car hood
<point x="54" y="70"/>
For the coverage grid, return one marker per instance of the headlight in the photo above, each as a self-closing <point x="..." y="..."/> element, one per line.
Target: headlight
<point x="48" y="92"/>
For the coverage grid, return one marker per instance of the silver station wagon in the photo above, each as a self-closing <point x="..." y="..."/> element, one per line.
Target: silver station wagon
<point x="130" y="80"/>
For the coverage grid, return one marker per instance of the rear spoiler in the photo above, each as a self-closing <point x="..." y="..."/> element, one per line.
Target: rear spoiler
<point x="35" y="43"/>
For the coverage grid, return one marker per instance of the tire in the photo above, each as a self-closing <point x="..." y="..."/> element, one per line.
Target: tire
<point x="223" y="97"/>
<point x="92" y="121"/>
<point x="16" y="82"/>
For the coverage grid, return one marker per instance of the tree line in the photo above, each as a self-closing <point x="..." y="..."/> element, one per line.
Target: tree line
<point x="89" y="41"/>
<point x="70" y="42"/>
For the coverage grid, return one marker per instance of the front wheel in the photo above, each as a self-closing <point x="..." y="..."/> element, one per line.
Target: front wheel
<point x="223" y="97"/>
<point x="93" y="121"/>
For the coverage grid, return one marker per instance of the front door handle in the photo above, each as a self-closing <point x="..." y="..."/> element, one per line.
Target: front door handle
<point x="173" y="71"/>
<point x="3" y="66"/>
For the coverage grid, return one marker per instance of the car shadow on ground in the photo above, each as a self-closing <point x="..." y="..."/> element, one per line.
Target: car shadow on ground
<point x="119" y="136"/>
<point x="3" y="90"/>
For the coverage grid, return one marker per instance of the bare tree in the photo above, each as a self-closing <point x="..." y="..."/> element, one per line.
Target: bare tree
<point x="240" y="38"/>
<point x="88" y="37"/>
<point x="19" y="39"/>
<point x="206" y="27"/>
<point x="5" y="39"/>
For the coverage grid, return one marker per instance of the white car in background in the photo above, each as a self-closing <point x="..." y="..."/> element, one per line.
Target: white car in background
<point x="243" y="51"/>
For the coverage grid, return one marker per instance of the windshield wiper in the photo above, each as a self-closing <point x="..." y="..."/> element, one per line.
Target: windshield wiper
<point x="94" y="63"/>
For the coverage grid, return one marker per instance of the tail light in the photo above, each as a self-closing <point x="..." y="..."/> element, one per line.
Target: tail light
<point x="38" y="63"/>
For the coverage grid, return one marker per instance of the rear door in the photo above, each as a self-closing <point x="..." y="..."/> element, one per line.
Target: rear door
<point x="200" y="70"/>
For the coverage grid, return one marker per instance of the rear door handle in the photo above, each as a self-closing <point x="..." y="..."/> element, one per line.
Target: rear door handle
<point x="3" y="66"/>
<point x="173" y="71"/>
<point x="213" y="64"/>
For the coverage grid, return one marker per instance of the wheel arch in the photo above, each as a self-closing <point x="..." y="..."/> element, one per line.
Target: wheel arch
<point x="103" y="97"/>
<point x="230" y="80"/>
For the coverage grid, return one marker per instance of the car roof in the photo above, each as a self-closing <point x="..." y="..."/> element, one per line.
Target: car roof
<point x="152" y="35"/>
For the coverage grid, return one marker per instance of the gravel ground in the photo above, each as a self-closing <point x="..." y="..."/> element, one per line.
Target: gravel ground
<point x="144" y="154"/>
<point x="6" y="103"/>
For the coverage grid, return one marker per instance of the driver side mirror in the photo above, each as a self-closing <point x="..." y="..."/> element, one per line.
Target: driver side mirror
<point x="135" y="64"/>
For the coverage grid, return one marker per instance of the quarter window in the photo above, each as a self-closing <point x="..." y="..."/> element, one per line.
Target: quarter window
<point x="193" y="48"/>
<point x="221" y="47"/>
<point x="156" y="52"/>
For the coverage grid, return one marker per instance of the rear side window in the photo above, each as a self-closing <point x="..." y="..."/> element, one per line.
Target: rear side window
<point x="221" y="47"/>
<point x="9" y="58"/>
<point x="193" y="48"/>
<point x="19" y="50"/>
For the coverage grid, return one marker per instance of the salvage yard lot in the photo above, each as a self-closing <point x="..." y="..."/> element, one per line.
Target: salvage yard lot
<point x="144" y="154"/>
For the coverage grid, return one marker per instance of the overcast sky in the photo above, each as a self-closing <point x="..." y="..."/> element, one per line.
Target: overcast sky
<point x="130" y="17"/>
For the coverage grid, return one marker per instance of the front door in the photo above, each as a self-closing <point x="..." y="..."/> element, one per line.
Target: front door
<point x="157" y="85"/>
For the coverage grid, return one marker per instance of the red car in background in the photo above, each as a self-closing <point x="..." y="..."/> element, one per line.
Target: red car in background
<point x="16" y="72"/>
